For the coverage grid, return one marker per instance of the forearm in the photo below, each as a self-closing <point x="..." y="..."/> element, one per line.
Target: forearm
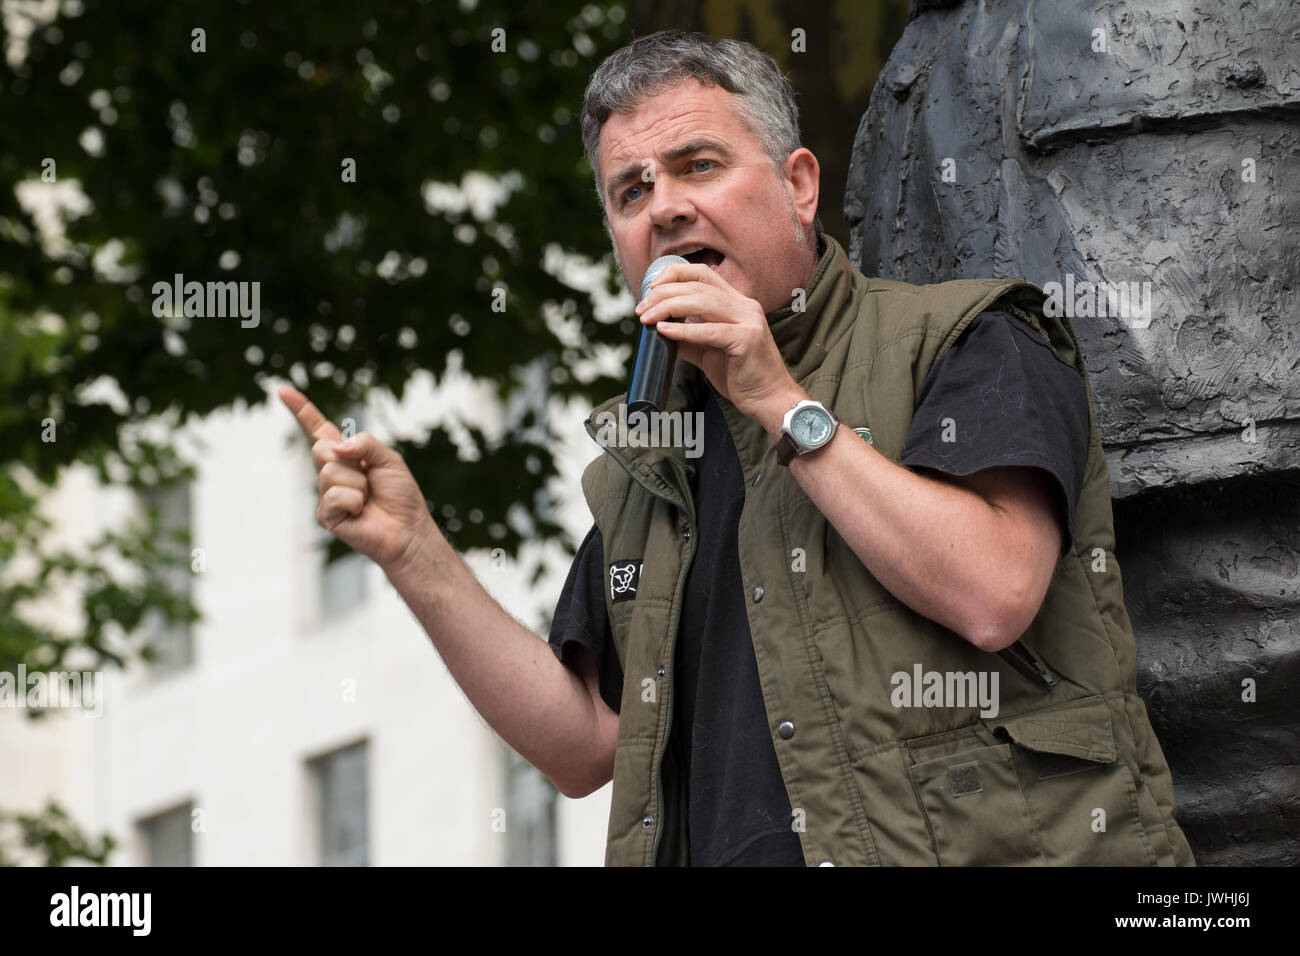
<point x="513" y="679"/>
<point x="936" y="547"/>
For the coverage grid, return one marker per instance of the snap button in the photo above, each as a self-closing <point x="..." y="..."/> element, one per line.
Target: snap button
<point x="786" y="730"/>
<point x="758" y="594"/>
<point x="662" y="672"/>
<point x="648" y="822"/>
<point x="825" y="863"/>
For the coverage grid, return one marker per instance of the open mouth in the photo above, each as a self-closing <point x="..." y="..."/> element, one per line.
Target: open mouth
<point x="705" y="256"/>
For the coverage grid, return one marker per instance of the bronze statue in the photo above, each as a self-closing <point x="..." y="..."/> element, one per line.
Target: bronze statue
<point x="1139" y="162"/>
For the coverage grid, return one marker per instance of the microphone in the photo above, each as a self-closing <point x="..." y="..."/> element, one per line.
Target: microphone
<point x="656" y="355"/>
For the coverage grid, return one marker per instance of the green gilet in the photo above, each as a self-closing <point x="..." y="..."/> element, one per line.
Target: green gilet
<point x="1068" y="771"/>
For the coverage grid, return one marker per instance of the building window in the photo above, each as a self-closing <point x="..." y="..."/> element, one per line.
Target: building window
<point x="172" y="644"/>
<point x="343" y="584"/>
<point x="339" y="779"/>
<point x="530" y="814"/>
<point x="167" y="838"/>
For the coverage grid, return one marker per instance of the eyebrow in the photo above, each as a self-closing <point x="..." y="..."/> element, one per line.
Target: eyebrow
<point x="632" y="171"/>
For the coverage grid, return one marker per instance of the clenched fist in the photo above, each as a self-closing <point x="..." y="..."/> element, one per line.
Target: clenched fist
<point x="369" y="499"/>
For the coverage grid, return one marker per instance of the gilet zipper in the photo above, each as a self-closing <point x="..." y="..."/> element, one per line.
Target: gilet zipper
<point x="1023" y="660"/>
<point x="672" y="638"/>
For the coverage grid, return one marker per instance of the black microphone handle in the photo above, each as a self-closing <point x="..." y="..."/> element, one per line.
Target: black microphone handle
<point x="652" y="376"/>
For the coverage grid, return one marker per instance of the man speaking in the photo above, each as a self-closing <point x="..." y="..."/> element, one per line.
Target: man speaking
<point x="879" y="620"/>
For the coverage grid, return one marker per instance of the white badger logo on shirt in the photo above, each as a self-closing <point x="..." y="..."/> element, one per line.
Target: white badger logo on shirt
<point x="621" y="577"/>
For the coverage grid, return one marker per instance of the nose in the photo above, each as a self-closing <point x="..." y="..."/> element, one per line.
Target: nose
<point x="670" y="203"/>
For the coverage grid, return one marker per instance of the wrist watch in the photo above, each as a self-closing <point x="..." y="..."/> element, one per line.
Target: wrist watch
<point x="807" y="426"/>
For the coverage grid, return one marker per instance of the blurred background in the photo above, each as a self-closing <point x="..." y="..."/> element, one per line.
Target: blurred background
<point x="383" y="174"/>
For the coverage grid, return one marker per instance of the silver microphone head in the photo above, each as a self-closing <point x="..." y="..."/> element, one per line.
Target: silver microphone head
<point x="656" y="267"/>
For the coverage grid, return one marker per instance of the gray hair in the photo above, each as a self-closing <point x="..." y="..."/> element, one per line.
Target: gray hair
<point x="650" y="64"/>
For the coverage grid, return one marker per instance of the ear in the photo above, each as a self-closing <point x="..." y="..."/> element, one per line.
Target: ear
<point x="802" y="175"/>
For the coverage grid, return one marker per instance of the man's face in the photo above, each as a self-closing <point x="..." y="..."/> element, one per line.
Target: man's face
<point x="681" y="171"/>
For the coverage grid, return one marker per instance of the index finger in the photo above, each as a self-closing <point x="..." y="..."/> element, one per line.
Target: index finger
<point x="310" y="419"/>
<point x="684" y="279"/>
<point x="689" y="272"/>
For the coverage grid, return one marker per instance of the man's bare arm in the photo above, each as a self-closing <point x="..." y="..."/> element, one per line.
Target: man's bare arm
<point x="555" y="718"/>
<point x="975" y="557"/>
<point x="552" y="716"/>
<point x="975" y="554"/>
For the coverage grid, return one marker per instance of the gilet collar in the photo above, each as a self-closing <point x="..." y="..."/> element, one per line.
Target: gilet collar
<point x="805" y="336"/>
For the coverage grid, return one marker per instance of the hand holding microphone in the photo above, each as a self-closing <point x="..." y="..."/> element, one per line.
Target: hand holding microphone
<point x="725" y="333"/>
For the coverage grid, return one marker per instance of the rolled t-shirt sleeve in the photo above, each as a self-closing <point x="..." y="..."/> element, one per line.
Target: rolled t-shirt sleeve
<point x="1001" y="396"/>
<point x="581" y="620"/>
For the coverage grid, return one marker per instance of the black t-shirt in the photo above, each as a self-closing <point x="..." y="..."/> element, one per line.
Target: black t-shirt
<point x="1012" y="401"/>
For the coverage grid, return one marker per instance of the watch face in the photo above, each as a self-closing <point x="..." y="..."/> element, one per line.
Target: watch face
<point x="811" y="426"/>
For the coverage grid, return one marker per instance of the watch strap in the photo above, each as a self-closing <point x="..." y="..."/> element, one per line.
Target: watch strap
<point x="786" y="450"/>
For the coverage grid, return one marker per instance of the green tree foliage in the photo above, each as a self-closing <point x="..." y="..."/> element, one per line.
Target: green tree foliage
<point x="52" y="837"/>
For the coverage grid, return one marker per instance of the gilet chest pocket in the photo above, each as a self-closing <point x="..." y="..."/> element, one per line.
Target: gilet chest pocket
<point x="975" y="809"/>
